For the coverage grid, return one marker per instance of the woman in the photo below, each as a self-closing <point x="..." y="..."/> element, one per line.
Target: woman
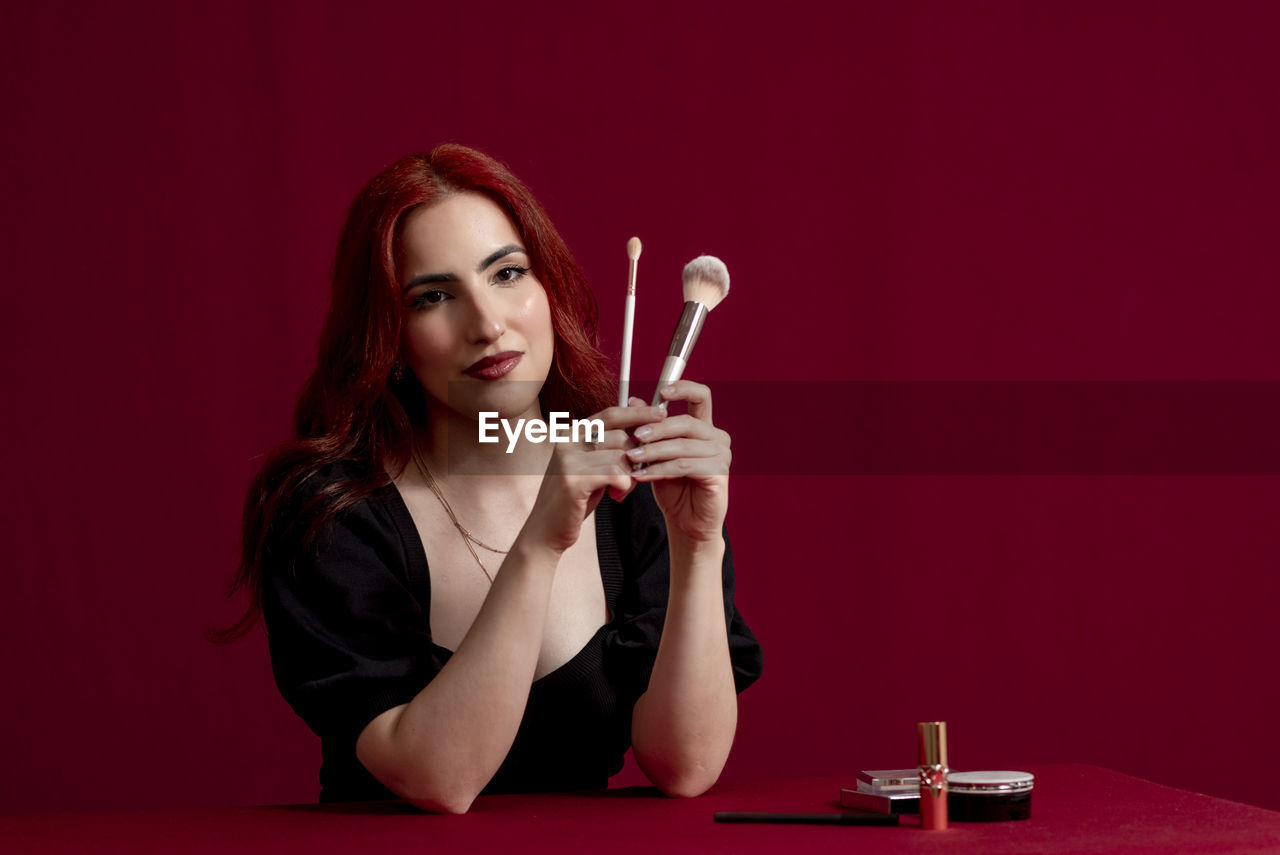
<point x="449" y="617"/>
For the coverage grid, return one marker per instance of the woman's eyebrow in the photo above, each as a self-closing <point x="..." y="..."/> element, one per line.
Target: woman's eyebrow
<point x="496" y="254"/>
<point x="429" y="278"/>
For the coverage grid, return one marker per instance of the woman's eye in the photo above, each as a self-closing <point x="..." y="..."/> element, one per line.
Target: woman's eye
<point x="510" y="274"/>
<point x="429" y="298"/>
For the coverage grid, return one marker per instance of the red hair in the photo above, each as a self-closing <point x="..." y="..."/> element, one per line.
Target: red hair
<point x="350" y="409"/>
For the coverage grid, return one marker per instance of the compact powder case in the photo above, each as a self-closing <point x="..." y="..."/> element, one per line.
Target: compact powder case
<point x="989" y="796"/>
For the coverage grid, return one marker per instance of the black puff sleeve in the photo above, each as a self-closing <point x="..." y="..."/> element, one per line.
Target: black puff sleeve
<point x="632" y="644"/>
<point x="349" y="633"/>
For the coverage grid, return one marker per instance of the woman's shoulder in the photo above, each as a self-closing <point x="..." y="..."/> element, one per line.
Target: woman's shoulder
<point x="341" y="500"/>
<point x="344" y="484"/>
<point x="337" y="473"/>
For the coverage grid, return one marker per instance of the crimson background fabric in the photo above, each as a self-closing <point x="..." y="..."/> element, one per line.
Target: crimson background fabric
<point x="902" y="191"/>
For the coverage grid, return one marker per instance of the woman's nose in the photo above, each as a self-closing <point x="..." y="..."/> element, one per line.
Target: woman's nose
<point x="486" y="319"/>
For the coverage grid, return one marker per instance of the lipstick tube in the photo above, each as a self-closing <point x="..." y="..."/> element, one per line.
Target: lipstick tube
<point x="933" y="775"/>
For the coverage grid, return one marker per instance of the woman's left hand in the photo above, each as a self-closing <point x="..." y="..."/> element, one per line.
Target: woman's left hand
<point x="686" y="458"/>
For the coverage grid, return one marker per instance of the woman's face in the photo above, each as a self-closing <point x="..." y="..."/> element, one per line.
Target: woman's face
<point x="477" y="330"/>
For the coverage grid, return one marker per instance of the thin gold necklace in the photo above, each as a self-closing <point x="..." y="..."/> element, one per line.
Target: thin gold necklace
<point x="467" y="537"/>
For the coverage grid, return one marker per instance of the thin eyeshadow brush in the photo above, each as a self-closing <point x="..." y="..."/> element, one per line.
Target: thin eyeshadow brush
<point x="628" y="322"/>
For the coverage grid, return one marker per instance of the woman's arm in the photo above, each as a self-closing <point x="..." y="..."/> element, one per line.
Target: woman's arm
<point x="442" y="748"/>
<point x="683" y="725"/>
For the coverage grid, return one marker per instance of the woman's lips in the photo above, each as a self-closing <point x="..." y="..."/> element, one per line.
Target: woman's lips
<point x="493" y="367"/>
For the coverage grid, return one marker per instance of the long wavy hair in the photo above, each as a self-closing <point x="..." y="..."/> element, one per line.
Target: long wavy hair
<point x="351" y="408"/>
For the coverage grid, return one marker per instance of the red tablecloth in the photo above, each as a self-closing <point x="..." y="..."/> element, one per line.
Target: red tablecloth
<point x="1074" y="809"/>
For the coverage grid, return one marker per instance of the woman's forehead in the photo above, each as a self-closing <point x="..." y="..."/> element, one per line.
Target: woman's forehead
<point x="460" y="230"/>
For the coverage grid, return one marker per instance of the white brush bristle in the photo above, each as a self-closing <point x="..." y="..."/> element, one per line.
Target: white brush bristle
<point x="706" y="281"/>
<point x="633" y="248"/>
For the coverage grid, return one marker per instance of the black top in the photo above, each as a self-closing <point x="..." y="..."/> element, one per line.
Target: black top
<point x="350" y="639"/>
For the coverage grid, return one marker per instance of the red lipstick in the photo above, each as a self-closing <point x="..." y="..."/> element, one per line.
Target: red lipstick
<point x="933" y="774"/>
<point x="494" y="367"/>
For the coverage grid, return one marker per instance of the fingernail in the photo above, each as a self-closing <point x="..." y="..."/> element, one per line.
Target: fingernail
<point x="660" y="410"/>
<point x="668" y="390"/>
<point x="635" y="453"/>
<point x="643" y="432"/>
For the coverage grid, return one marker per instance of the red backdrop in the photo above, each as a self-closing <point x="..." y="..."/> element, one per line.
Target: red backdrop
<point x="903" y="191"/>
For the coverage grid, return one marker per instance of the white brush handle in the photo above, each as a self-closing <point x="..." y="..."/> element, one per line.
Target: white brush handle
<point x="624" y="377"/>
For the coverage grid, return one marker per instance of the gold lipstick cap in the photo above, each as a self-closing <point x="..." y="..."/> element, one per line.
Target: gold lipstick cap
<point x="933" y="775"/>
<point x="933" y="743"/>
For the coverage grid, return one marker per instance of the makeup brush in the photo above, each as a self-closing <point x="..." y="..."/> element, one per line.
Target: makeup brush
<point x="628" y="320"/>
<point x="706" y="283"/>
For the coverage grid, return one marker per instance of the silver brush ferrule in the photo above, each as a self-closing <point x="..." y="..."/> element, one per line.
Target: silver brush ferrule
<point x="687" y="329"/>
<point x="682" y="342"/>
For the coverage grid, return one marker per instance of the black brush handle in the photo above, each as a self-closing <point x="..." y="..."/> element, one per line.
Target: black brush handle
<point x="810" y="818"/>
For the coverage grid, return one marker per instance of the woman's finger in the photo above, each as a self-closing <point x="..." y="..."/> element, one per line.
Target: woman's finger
<point x="675" y="426"/>
<point x="629" y="417"/>
<point x="586" y="472"/>
<point x="670" y="449"/>
<point x="612" y="440"/>
<point x="684" y="467"/>
<point x="621" y="485"/>
<point x="696" y="395"/>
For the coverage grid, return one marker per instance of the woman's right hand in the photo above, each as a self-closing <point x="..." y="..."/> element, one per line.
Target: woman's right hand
<point x="579" y="473"/>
